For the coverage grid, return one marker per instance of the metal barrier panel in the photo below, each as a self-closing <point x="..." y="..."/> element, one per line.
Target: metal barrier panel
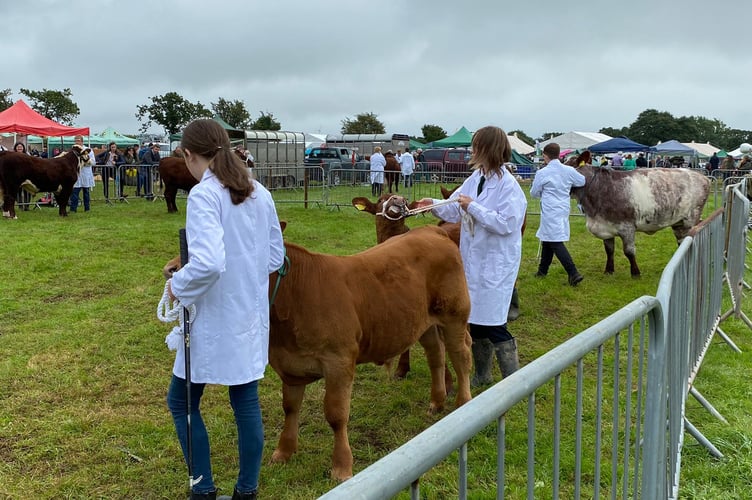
<point x="648" y="390"/>
<point x="293" y="183"/>
<point x="616" y="436"/>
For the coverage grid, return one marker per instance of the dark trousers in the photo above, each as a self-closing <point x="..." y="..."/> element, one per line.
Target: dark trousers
<point x="495" y="333"/>
<point x="551" y="248"/>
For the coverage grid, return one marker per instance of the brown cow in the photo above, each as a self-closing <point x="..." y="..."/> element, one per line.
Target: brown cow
<point x="55" y="175"/>
<point x="332" y="313"/>
<point x="392" y="171"/>
<point x="174" y="175"/>
<point x="386" y="227"/>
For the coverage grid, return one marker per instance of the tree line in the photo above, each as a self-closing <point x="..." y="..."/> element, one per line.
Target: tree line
<point x="173" y="112"/>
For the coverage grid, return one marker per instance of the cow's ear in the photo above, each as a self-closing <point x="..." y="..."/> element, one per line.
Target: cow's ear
<point x="283" y="225"/>
<point x="364" y="204"/>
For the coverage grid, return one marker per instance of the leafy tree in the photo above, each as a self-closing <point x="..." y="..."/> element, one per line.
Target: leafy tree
<point x="733" y="138"/>
<point x="548" y="135"/>
<point x="614" y="132"/>
<point x="364" y="123"/>
<point x="5" y="100"/>
<point x="56" y="105"/>
<point x="233" y="112"/>
<point x="523" y="137"/>
<point x="652" y="126"/>
<point x="172" y="111"/>
<point x="433" y="133"/>
<point x="266" y="122"/>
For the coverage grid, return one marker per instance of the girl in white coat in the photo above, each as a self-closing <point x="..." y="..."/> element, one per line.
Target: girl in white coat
<point x="234" y="242"/>
<point x="552" y="185"/>
<point x="492" y="209"/>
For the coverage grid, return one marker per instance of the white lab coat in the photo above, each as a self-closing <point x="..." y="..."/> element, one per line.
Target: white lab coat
<point x="407" y="164"/>
<point x="86" y="174"/>
<point x="232" y="249"/>
<point x="492" y="248"/>
<point x="378" y="162"/>
<point x="552" y="185"/>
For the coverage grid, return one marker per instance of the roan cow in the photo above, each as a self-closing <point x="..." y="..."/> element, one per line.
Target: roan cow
<point x="56" y="175"/>
<point x="618" y="203"/>
<point x="331" y="313"/>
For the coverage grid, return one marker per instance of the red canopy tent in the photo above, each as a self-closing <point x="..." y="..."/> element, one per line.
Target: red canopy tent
<point x="21" y="119"/>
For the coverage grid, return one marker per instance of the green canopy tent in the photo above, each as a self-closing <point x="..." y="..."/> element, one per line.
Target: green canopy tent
<point x="111" y="135"/>
<point x="416" y="144"/>
<point x="518" y="159"/>
<point x="67" y="141"/>
<point x="463" y="137"/>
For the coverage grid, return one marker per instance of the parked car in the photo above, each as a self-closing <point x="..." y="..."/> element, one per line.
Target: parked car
<point x="448" y="164"/>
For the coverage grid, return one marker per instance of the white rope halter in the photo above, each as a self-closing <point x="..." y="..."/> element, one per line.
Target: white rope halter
<point x="407" y="212"/>
<point x="168" y="312"/>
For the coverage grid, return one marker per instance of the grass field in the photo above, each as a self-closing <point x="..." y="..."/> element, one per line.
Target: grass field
<point x="84" y="369"/>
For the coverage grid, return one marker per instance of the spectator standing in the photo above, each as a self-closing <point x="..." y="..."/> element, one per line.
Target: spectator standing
<point x="235" y="241"/>
<point x="407" y="165"/>
<point x="552" y="185"/>
<point x="629" y="162"/>
<point x="85" y="179"/>
<point x="492" y="210"/>
<point x="130" y="158"/>
<point x="150" y="158"/>
<point x="23" y="196"/>
<point x="728" y="163"/>
<point x="110" y="160"/>
<point x="144" y="148"/>
<point x="641" y="161"/>
<point x="378" y="162"/>
<point x="617" y="160"/>
<point x="714" y="162"/>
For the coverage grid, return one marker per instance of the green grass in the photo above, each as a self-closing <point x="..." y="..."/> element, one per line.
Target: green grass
<point x="84" y="369"/>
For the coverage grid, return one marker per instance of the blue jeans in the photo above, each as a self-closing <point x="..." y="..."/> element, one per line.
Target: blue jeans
<point x="74" y="199"/>
<point x="245" y="404"/>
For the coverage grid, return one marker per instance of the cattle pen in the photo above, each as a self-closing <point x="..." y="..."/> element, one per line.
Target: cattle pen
<point x="79" y="292"/>
<point x="658" y="346"/>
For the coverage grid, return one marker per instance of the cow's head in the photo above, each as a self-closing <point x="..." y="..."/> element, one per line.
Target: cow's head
<point x="82" y="153"/>
<point x="391" y="206"/>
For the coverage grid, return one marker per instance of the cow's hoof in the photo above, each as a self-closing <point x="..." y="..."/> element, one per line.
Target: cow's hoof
<point x="341" y="474"/>
<point x="280" y="457"/>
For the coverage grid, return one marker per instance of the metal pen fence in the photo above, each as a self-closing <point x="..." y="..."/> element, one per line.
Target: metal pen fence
<point x="657" y="345"/>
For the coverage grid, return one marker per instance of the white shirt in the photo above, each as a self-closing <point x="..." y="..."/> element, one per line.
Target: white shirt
<point x="492" y="248"/>
<point x="378" y="162"/>
<point x="232" y="249"/>
<point x="86" y="175"/>
<point x="407" y="163"/>
<point x="552" y="185"/>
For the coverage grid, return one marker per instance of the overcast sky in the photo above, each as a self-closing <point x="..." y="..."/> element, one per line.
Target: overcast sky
<point x="535" y="66"/>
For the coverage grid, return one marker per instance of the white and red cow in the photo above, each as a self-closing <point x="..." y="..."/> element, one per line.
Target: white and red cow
<point x="56" y="175"/>
<point x="618" y="203"/>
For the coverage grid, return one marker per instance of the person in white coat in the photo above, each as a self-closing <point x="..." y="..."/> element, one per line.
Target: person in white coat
<point x="491" y="206"/>
<point x="552" y="185"/>
<point x="85" y="180"/>
<point x="407" y="166"/>
<point x="234" y="242"/>
<point x="378" y="162"/>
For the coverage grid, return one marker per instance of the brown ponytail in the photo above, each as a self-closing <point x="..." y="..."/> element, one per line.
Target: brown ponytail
<point x="207" y="138"/>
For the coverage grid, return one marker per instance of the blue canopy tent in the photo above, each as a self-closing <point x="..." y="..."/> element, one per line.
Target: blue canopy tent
<point x="617" y="144"/>
<point x="674" y="148"/>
